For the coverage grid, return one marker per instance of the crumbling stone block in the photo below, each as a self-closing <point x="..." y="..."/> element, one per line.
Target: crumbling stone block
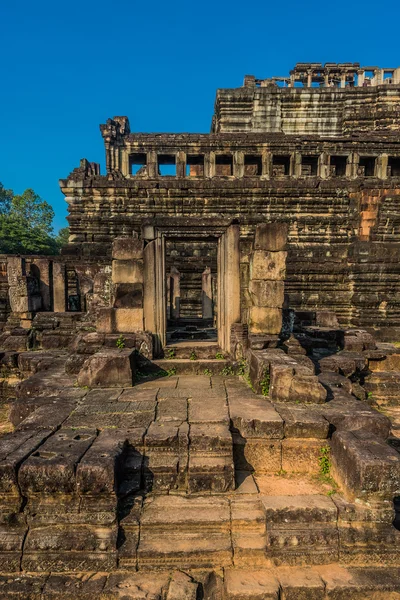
<point x="108" y="368"/>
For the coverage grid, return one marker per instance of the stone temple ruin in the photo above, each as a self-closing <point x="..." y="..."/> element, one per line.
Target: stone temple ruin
<point x="203" y="388"/>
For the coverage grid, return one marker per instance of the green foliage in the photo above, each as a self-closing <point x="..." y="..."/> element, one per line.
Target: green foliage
<point x="227" y="371"/>
<point x="324" y="460"/>
<point x="26" y="224"/>
<point x="171" y="371"/>
<point x="264" y="384"/>
<point x="219" y="356"/>
<point x="62" y="237"/>
<point x="242" y="368"/>
<point x="120" y="343"/>
<point x="193" y="355"/>
<point x="170" y="353"/>
<point x="207" y="372"/>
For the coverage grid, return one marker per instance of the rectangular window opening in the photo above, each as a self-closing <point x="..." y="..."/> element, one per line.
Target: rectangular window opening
<point x="224" y="165"/>
<point x="138" y="164"/>
<point x="338" y="166"/>
<point x="366" y="166"/>
<point x="166" y="165"/>
<point x="309" y="166"/>
<point x="393" y="169"/>
<point x="280" y="165"/>
<point x="195" y="165"/>
<point x="252" y="165"/>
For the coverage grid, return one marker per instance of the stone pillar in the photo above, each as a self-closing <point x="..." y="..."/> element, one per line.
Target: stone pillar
<point x="267" y="277"/>
<point x="360" y="78"/>
<point x="152" y="168"/>
<point x="323" y="165"/>
<point x="175" y="293"/>
<point x="180" y="164"/>
<point x="266" y="158"/>
<point x="228" y="284"/>
<point x="381" y="166"/>
<point x="59" y="288"/>
<point x="149" y="291"/>
<point x="206" y="294"/>
<point x="238" y="164"/>
<point x="17" y="285"/>
<point x="44" y="266"/>
<point x="209" y="164"/>
<point x="343" y="80"/>
<point x="309" y="79"/>
<point x="352" y="165"/>
<point x="296" y="162"/>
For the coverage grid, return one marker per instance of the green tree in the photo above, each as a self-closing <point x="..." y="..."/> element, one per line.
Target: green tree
<point x="62" y="237"/>
<point x="25" y="224"/>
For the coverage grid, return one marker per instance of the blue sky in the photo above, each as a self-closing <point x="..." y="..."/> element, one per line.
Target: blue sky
<point x="68" y="66"/>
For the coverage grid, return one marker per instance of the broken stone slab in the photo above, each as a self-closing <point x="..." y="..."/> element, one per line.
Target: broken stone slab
<point x="345" y="363"/>
<point x="51" y="468"/>
<point x="302" y="422"/>
<point x="172" y="409"/>
<point x="255" y="417"/>
<point x="12" y="538"/>
<point x="353" y="415"/>
<point x="307" y="389"/>
<point x="365" y="466"/>
<point x="108" y="368"/>
<point x="182" y="586"/>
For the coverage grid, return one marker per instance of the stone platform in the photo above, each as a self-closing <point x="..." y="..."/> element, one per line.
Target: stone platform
<point x="191" y="486"/>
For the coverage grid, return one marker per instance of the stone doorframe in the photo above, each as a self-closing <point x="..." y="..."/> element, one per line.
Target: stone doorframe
<point x="154" y="234"/>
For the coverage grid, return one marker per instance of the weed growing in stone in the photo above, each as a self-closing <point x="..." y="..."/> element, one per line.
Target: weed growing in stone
<point x="264" y="384"/>
<point x="170" y="353"/>
<point x="227" y="371"/>
<point x="207" y="372"/>
<point x="171" y="371"/>
<point x="242" y="367"/>
<point x="219" y="356"/>
<point x="120" y="343"/>
<point x="193" y="355"/>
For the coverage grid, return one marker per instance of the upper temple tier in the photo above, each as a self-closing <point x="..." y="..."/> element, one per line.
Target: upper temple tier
<point x="331" y="99"/>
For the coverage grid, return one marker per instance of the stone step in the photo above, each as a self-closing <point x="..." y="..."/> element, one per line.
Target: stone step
<point x="186" y="366"/>
<point x="384" y="387"/>
<point x="202" y="350"/>
<point x="331" y="582"/>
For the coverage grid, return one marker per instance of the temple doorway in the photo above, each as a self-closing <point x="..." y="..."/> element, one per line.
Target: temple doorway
<point x="192" y="282"/>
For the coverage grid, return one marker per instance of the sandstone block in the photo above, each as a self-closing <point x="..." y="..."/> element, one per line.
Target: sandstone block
<point x="300" y="456"/>
<point x="265" y="320"/>
<point x="251" y="585"/>
<point x="109" y="368"/>
<point x="127" y="271"/>
<point x="307" y="388"/>
<point x="365" y="466"/>
<point x="120" y="320"/>
<point x="271" y="236"/>
<point x="128" y="295"/>
<point x="127" y="248"/>
<point x="267" y="293"/>
<point x="268" y="265"/>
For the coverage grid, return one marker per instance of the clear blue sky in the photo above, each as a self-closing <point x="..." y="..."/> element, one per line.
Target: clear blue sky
<point x="67" y="66"/>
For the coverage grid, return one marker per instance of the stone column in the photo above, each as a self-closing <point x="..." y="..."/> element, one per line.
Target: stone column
<point x="266" y="158"/>
<point x="360" y="78"/>
<point x="238" y="164"/>
<point x="59" y="288"/>
<point x="296" y="164"/>
<point x="343" y="80"/>
<point x="152" y="168"/>
<point x="267" y="276"/>
<point x="228" y="284"/>
<point x="17" y="285"/>
<point x="180" y="164"/>
<point x="175" y="293"/>
<point x="381" y="166"/>
<point x="44" y="266"/>
<point x="206" y="294"/>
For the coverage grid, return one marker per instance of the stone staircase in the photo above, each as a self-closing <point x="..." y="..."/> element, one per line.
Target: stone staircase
<point x="193" y="487"/>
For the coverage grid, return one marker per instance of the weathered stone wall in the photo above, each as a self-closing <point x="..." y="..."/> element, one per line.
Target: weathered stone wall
<point x="316" y="111"/>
